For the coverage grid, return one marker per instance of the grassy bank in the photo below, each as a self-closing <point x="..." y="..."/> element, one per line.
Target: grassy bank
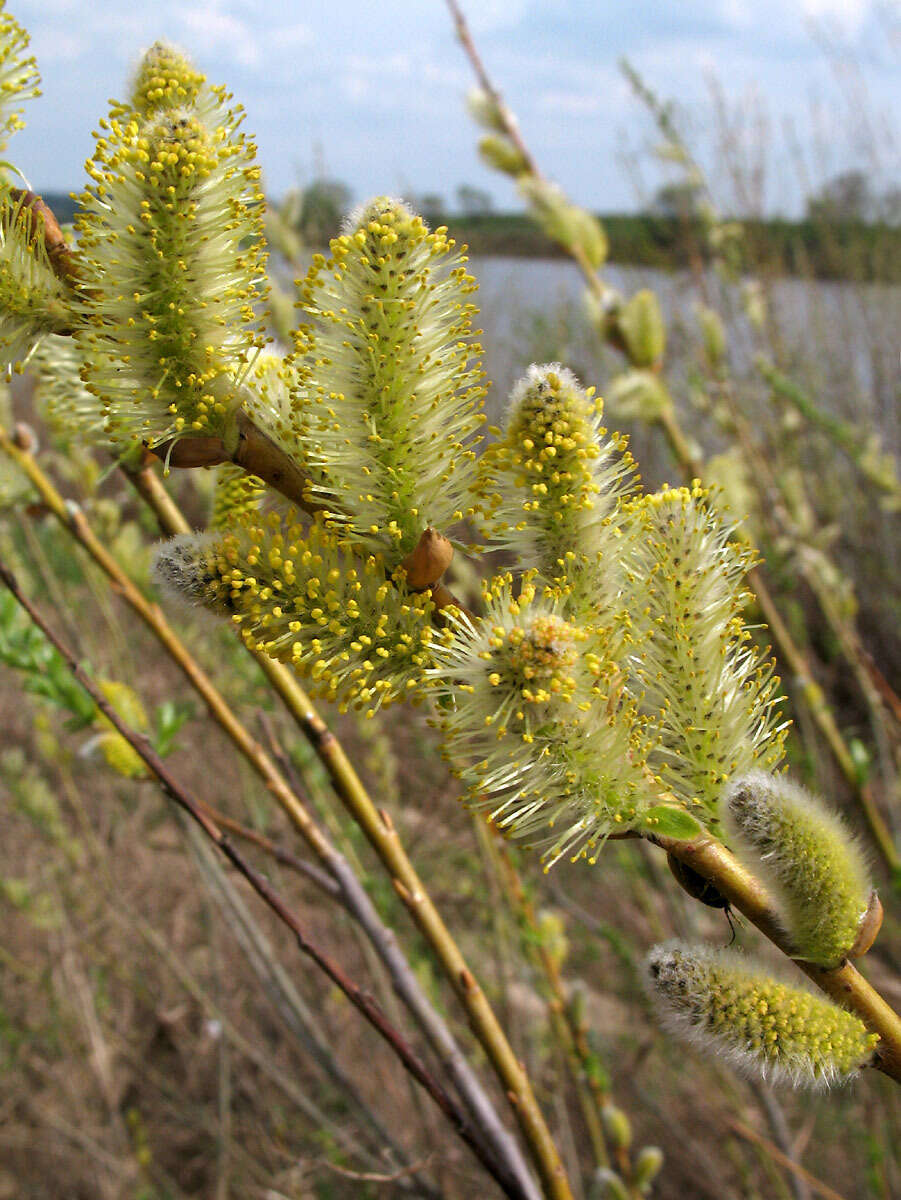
<point x="844" y="250"/>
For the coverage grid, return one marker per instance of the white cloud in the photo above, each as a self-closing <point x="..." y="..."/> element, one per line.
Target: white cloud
<point x="574" y="104"/>
<point x="60" y="46"/>
<point x="290" y="37"/>
<point x="849" y="15"/>
<point x="235" y="38"/>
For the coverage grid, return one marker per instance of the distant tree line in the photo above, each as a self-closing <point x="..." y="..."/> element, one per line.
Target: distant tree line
<point x="850" y="230"/>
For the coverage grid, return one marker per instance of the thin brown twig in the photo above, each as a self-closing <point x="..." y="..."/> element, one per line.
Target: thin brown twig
<point x="361" y="1000"/>
<point x="751" y="1135"/>
<point x="374" y="1177"/>
<point x="511" y="126"/>
<point x="325" y="883"/>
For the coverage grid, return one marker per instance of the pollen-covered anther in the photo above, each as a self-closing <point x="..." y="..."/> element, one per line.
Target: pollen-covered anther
<point x="551" y="760"/>
<point x="299" y="595"/>
<point x="165" y="78"/>
<point x="35" y="299"/>
<point x="537" y="657"/>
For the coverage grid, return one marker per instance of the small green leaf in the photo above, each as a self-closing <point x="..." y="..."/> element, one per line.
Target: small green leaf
<point x="671" y="822"/>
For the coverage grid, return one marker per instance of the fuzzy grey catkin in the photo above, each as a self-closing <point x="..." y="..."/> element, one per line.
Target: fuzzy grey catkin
<point x="722" y="1002"/>
<point x="806" y="857"/>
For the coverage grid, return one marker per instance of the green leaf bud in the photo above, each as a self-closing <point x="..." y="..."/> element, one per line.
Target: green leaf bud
<point x="578" y="1004"/>
<point x="665" y="820"/>
<point x="806" y="857"/>
<point x="860" y="757"/>
<point x="171" y="266"/>
<point x="588" y="236"/>
<point x="639" y="396"/>
<point x="300" y="596"/>
<point x="19" y="78"/>
<point x="713" y="335"/>
<point x="728" y="473"/>
<point x="33" y="299"/>
<point x="606" y="1184"/>
<point x="552" y="931"/>
<point x="755" y="303"/>
<point x="617" y="1126"/>
<point x="500" y="153"/>
<point x="550" y="489"/>
<point x="574" y="228"/>
<point x="647" y="1167"/>
<point x="485" y="110"/>
<point x="396" y="395"/>
<point x="720" y="1001"/>
<point x="642" y="329"/>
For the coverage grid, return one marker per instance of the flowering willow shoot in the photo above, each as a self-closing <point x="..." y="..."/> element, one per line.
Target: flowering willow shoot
<point x="581" y="651"/>
<point x="698" y="667"/>
<point x="560" y="753"/>
<point x="395" y="399"/>
<point x="301" y="597"/>
<point x="551" y="490"/>
<point x="171" y="264"/>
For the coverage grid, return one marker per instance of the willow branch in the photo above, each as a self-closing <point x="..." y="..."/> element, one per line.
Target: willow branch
<point x="365" y="1004"/>
<point x="254" y="452"/>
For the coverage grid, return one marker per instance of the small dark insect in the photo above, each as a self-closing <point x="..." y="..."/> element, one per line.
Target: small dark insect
<point x="699" y="888"/>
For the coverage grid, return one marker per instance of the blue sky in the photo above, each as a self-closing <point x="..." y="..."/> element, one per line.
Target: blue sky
<point x="374" y="91"/>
